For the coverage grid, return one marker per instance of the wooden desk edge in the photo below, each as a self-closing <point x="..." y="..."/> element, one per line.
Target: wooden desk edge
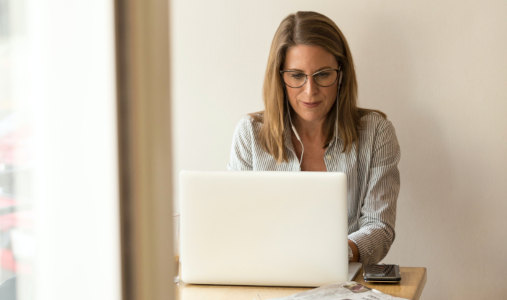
<point x="420" y="287"/>
<point x="417" y="293"/>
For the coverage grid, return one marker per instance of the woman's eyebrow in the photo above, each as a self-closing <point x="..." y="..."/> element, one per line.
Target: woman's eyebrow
<point x="318" y="70"/>
<point x="325" y="68"/>
<point x="293" y="69"/>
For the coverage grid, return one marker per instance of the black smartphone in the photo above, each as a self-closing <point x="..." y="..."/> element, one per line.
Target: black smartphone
<point x="382" y="273"/>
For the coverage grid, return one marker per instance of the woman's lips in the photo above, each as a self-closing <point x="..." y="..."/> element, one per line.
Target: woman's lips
<point x="311" y="104"/>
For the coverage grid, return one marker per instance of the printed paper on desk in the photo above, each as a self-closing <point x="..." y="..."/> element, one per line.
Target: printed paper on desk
<point x="344" y="291"/>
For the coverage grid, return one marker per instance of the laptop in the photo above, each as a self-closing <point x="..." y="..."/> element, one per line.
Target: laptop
<point x="264" y="228"/>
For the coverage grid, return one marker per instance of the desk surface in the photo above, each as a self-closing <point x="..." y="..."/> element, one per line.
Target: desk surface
<point x="411" y="286"/>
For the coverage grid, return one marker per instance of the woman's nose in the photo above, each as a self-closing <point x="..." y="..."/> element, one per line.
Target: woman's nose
<point x="311" y="87"/>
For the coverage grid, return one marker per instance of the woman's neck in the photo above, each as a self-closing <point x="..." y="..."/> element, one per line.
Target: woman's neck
<point x="310" y="131"/>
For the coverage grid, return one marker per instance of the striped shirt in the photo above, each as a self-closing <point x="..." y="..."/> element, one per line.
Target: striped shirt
<point x="373" y="179"/>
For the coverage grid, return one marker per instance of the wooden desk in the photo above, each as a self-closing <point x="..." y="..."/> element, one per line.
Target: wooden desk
<point x="411" y="286"/>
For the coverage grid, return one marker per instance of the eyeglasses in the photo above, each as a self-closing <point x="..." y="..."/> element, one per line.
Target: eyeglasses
<point x="323" y="78"/>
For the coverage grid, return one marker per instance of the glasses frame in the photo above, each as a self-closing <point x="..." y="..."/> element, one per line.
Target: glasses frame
<point x="338" y="71"/>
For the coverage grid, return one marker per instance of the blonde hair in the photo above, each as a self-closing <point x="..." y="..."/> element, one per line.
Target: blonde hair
<point x="308" y="28"/>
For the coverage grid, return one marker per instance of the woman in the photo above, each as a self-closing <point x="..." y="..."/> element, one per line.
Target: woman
<point x="311" y="123"/>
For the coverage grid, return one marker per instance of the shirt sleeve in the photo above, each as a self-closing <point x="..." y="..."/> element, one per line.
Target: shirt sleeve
<point x="241" y="149"/>
<point x="378" y="211"/>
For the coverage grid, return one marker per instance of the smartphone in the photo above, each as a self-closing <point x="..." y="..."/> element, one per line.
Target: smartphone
<point x="382" y="273"/>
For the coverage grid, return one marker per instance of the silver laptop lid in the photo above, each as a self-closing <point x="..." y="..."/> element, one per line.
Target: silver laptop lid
<point x="263" y="228"/>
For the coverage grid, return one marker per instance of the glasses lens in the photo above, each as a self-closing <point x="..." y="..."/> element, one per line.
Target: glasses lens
<point x="294" y="78"/>
<point x="325" y="77"/>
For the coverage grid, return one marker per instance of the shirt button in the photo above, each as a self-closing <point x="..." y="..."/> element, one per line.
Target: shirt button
<point x="328" y="157"/>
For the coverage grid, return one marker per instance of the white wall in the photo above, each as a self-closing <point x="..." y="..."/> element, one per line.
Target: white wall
<point x="438" y="69"/>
